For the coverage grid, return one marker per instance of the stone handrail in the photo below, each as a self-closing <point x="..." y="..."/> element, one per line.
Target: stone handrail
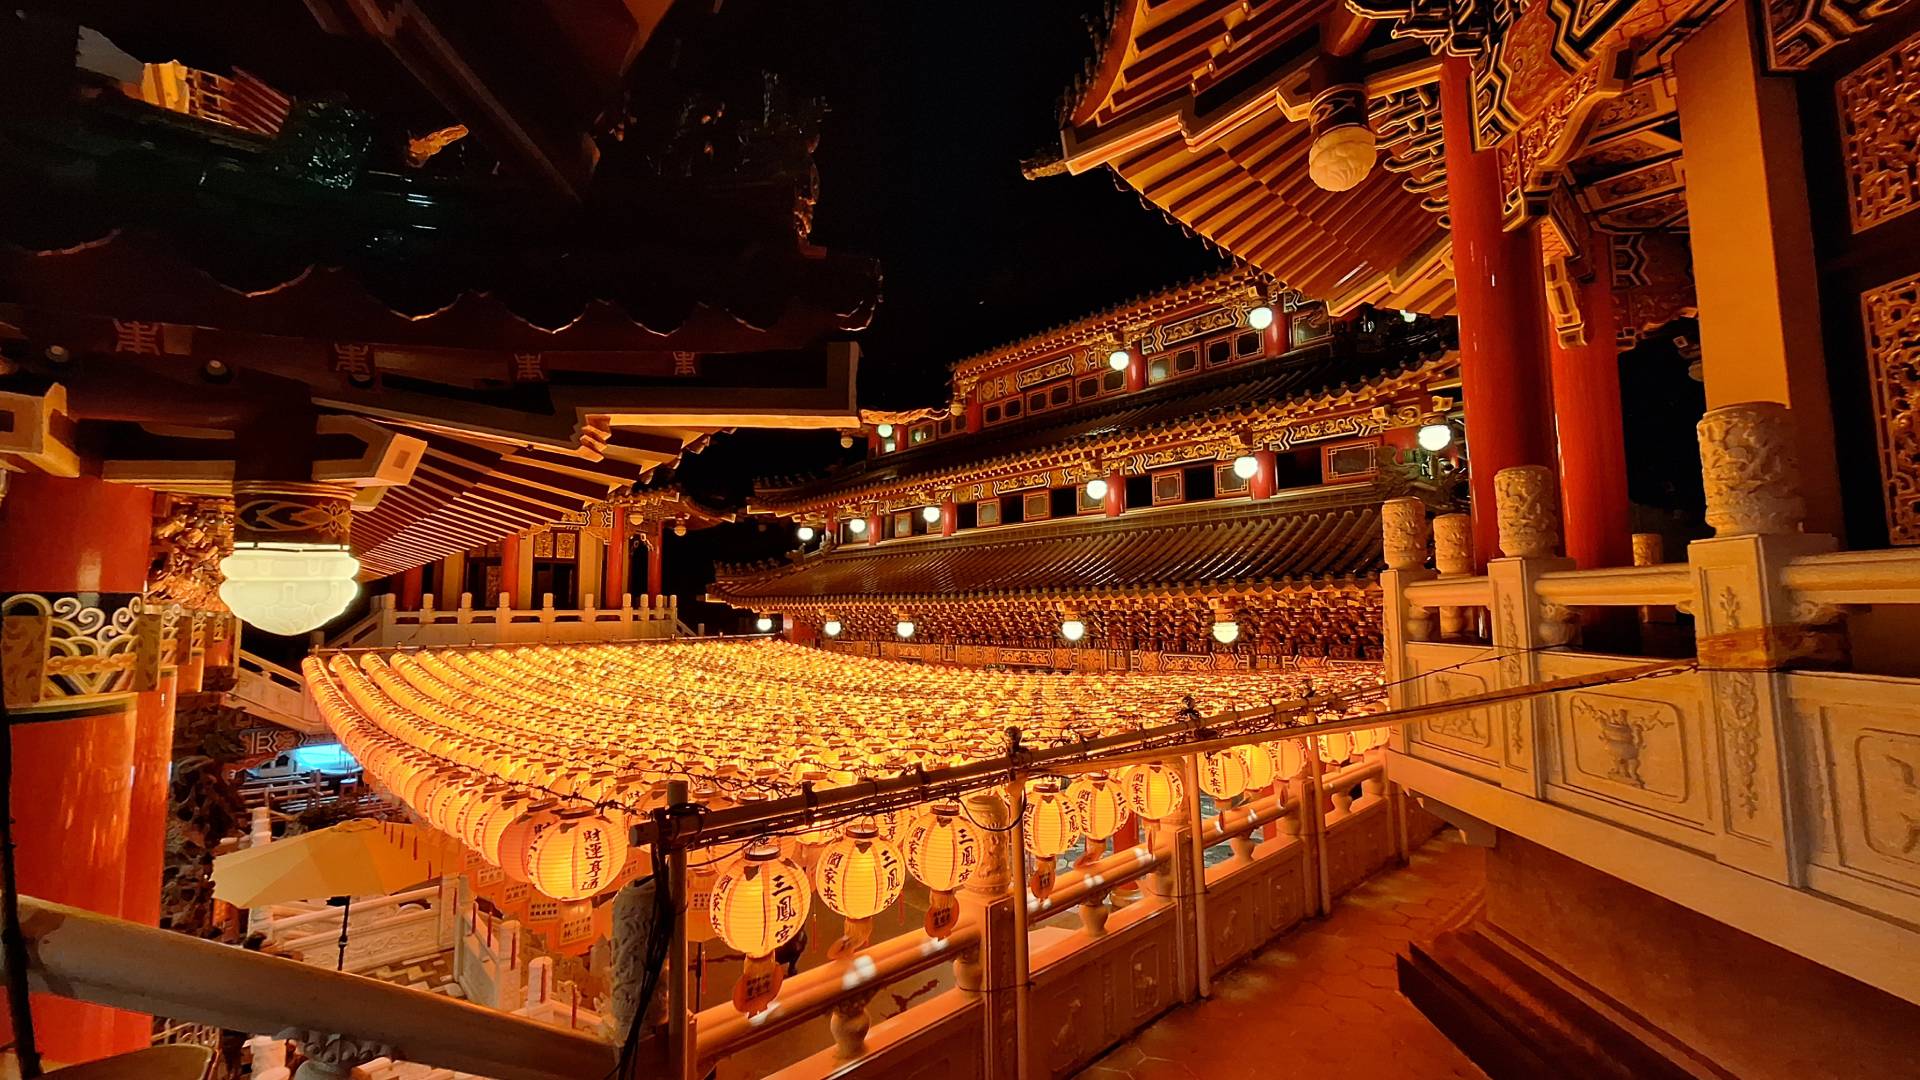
<point x="328" y="918"/>
<point x="387" y="625"/>
<point x="1624" y="586"/>
<point x="91" y="957"/>
<point x="1450" y="592"/>
<point x="1855" y="577"/>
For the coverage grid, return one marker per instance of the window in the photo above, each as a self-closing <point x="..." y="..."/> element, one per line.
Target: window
<point x="902" y="523"/>
<point x="1227" y="482"/>
<point x="1349" y="461"/>
<point x="992" y="414"/>
<point x="1219" y="352"/>
<point x="1035" y="506"/>
<point x="1186" y="360"/>
<point x="1013" y="408"/>
<point x="1036" y="401"/>
<point x="1087" y="504"/>
<point x="1059" y="395"/>
<point x="1159" y="370"/>
<point x="1247" y="344"/>
<point x="986" y="512"/>
<point x="920" y="434"/>
<point x="1087" y="388"/>
<point x="1113" y="380"/>
<point x="967" y="515"/>
<point x="1168" y="487"/>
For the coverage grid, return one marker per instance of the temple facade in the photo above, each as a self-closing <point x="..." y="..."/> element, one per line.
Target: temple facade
<point x="1185" y="481"/>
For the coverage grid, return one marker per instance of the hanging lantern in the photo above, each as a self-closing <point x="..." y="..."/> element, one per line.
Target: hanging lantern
<point x="1290" y="757"/>
<point x="759" y="903"/>
<point x="700" y="882"/>
<point x="1153" y="790"/>
<point x="942" y="851"/>
<point x="511" y="853"/>
<point x="858" y="876"/>
<point x="1097" y="805"/>
<point x="1335" y="748"/>
<point x="1047" y="822"/>
<point x="1223" y="775"/>
<point x="577" y="857"/>
<point x="1261" y="768"/>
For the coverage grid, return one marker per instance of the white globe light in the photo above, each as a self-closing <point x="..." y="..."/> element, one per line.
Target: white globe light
<point x="831" y="628"/>
<point x="1435" y="437"/>
<point x="1245" y="466"/>
<point x="764" y="624"/>
<point x="289" y="588"/>
<point x="1118" y="359"/>
<point x="885" y="430"/>
<point x="1260" y="318"/>
<point x="1226" y="632"/>
<point x="929" y="514"/>
<point x="904" y="628"/>
<point x="1096" y="489"/>
<point x="1410" y="316"/>
<point x="1073" y="629"/>
<point x="857" y="526"/>
<point x="805" y="533"/>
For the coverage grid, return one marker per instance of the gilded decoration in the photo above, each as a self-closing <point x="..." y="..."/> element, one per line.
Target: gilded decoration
<point x="191" y="534"/>
<point x="68" y="649"/>
<point x="1891" y="314"/>
<point x="1879" y="113"/>
<point x="1799" y="32"/>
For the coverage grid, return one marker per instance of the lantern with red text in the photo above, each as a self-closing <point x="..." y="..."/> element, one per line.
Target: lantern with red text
<point x="1223" y="775"/>
<point x="760" y="902"/>
<point x="1098" y="807"/>
<point x="1047" y="822"/>
<point x="1154" y="790"/>
<point x="858" y="876"/>
<point x="942" y="851"/>
<point x="577" y="857"/>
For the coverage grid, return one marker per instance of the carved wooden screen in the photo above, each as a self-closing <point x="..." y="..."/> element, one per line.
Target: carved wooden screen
<point x="1860" y="102"/>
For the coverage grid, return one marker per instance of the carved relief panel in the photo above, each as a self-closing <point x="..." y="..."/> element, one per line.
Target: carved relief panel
<point x="1469" y="740"/>
<point x="1859" y="788"/>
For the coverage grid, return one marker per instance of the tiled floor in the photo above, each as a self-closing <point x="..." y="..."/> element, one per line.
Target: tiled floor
<point x="1320" y="1002"/>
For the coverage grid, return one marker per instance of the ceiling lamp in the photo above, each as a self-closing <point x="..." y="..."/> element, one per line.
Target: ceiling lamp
<point x="1260" y="765"/>
<point x="904" y="628"/>
<point x="290" y="571"/>
<point x="1096" y="489"/>
<point x="1118" y="359"/>
<point x="885" y="431"/>
<point x="1245" y="466"/>
<point x="764" y="624"/>
<point x="1410" y="316"/>
<point x="831" y="628"/>
<point x="930" y="514"/>
<point x="577" y="857"/>
<point x="1260" y="317"/>
<point x="679" y="528"/>
<point x="805" y="533"/>
<point x="1226" y="631"/>
<point x="1222" y="774"/>
<point x="1344" y="148"/>
<point x="1435" y="437"/>
<point x="846" y="442"/>
<point x="857" y="526"/>
<point x="1073" y="629"/>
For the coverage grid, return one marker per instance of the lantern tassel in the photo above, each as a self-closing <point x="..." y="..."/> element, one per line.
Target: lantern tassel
<point x="943" y="914"/>
<point x="853" y="938"/>
<point x="759" y="984"/>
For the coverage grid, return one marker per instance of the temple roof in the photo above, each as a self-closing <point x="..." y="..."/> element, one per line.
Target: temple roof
<point x="1326" y="537"/>
<point x="1322" y="374"/>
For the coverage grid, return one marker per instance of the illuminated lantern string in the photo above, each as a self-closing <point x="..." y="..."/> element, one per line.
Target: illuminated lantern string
<point x="1222" y="774"/>
<point x="1048" y="825"/>
<point x="942" y="852"/>
<point x="577" y="857"/>
<point x="1153" y="790"/>
<point x="858" y="876"/>
<point x="759" y="903"/>
<point x="1097" y="805"/>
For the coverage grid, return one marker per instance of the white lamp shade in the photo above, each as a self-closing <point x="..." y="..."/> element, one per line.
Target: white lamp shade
<point x="288" y="589"/>
<point x="1073" y="629"/>
<point x="763" y="624"/>
<point x="930" y="514"/>
<point x="885" y="430"/>
<point x="1226" y="632"/>
<point x="1096" y="489"/>
<point x="857" y="526"/>
<point x="1260" y="318"/>
<point x="1245" y="466"/>
<point x="904" y="628"/>
<point x="831" y="628"/>
<point x="805" y="533"/>
<point x="1118" y="359"/>
<point x="1435" y="437"/>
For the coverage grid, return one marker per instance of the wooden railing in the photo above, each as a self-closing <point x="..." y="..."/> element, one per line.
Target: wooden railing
<point x="385" y="626"/>
<point x="275" y="693"/>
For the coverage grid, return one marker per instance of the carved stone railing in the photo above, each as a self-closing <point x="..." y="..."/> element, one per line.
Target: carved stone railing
<point x="385" y="626"/>
<point x="275" y="693"/>
<point x="1766" y="785"/>
<point x="380" y="930"/>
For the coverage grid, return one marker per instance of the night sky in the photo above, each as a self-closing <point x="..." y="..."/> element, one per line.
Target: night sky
<point x="931" y="114"/>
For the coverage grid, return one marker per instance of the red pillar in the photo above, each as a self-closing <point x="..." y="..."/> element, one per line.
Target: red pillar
<point x="409" y="590"/>
<point x="1265" y="481"/>
<point x="1503" y="372"/>
<point x="510" y="572"/>
<point x="1592" y="440"/>
<point x="976" y="411"/>
<point x="654" y="532"/>
<point x="1136" y="370"/>
<point x="949" y="517"/>
<point x="613" y="580"/>
<point x="873" y="529"/>
<point x="74" y="780"/>
<point x="1115" y="502"/>
<point x="147" y="825"/>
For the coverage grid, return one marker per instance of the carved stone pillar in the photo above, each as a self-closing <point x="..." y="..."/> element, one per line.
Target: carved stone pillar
<point x="1529" y="517"/>
<point x="1750" y="464"/>
<point x="1529" y="524"/>
<point x="1403" y="533"/>
<point x="332" y="1057"/>
<point x="1453" y="557"/>
<point x="992" y="969"/>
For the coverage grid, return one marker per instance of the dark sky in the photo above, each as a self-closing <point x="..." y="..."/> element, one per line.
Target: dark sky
<point x="933" y="107"/>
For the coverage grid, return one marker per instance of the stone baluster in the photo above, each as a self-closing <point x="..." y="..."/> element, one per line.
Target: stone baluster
<point x="465" y="614"/>
<point x="1649" y="549"/>
<point x="546" y="609"/>
<point x="1403" y="535"/>
<point x="1746" y="628"/>
<point x="426" y="607"/>
<point x="1453" y="557"/>
<point x="992" y="968"/>
<point x="848" y="1021"/>
<point x="269" y="1057"/>
<point x="1528" y="516"/>
<point x="1093" y="915"/>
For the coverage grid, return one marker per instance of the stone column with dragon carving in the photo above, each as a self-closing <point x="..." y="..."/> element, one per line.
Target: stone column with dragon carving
<point x="1747" y="627"/>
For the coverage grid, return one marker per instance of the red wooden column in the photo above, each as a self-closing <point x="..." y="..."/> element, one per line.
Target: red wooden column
<point x="873" y="529"/>
<point x="74" y="779"/>
<point x="1592" y="438"/>
<point x="949" y="517"/>
<point x="654" y="533"/>
<point x="976" y="411"/>
<point x="1115" y="502"/>
<point x="1503" y="367"/>
<point x="408" y="590"/>
<point x="1136" y="370"/>
<point x="510" y="573"/>
<point x="613" y="580"/>
<point x="1265" y="481"/>
<point x="147" y="825"/>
